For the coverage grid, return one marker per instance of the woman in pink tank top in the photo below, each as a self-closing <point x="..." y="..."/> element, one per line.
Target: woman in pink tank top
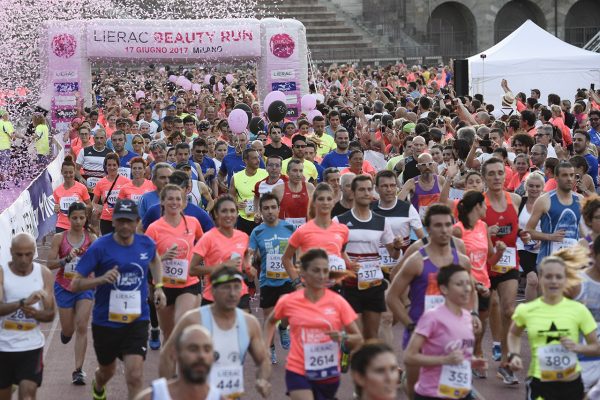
<point x="73" y="308"/>
<point x="478" y="243"/>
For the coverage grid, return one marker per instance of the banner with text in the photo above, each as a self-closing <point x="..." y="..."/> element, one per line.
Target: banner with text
<point x="181" y="39"/>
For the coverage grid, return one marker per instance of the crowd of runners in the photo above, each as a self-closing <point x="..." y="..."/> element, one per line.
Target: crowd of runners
<point x="401" y="203"/>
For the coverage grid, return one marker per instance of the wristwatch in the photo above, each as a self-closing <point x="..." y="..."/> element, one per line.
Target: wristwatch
<point x="22" y="303"/>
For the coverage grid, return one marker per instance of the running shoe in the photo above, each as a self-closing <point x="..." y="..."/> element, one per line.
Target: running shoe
<point x="496" y="352"/>
<point x="479" y="374"/>
<point x="78" y="377"/>
<point x="507" y="376"/>
<point x="65" y="339"/>
<point x="273" y="355"/>
<point x="284" y="338"/>
<point x="154" y="339"/>
<point x="98" y="395"/>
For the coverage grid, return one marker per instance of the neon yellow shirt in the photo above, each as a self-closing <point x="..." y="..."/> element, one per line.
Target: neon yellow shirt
<point x="42" y="140"/>
<point x="327" y="144"/>
<point x="310" y="171"/>
<point x="545" y="325"/>
<point x="244" y="185"/>
<point x="6" y="130"/>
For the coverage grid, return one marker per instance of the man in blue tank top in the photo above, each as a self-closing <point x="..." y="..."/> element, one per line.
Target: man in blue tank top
<point x="120" y="263"/>
<point x="559" y="213"/>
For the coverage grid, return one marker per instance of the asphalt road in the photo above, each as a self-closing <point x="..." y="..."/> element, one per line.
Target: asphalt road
<point x="59" y="364"/>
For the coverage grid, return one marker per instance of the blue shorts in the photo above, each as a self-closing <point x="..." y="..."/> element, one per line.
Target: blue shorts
<point x="67" y="299"/>
<point x="322" y="390"/>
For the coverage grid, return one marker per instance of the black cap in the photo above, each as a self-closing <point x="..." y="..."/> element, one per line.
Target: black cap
<point x="125" y="208"/>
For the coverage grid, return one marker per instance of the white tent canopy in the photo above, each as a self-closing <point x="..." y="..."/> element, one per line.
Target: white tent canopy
<point x="531" y="58"/>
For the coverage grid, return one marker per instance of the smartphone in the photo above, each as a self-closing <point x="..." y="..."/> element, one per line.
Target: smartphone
<point x="592" y="86"/>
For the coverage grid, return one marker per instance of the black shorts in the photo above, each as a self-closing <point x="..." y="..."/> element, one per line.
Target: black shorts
<point x="371" y="299"/>
<point x="244" y="303"/>
<point x="537" y="389"/>
<point x="172" y="293"/>
<point x="483" y="303"/>
<point x="496" y="280"/>
<point x="110" y="343"/>
<point x="528" y="261"/>
<point x="106" y="227"/>
<point x="21" y="366"/>
<point x="270" y="294"/>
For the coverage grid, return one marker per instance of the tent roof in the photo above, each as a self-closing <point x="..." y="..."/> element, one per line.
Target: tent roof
<point x="532" y="42"/>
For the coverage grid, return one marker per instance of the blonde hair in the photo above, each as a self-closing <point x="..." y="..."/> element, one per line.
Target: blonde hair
<point x="574" y="259"/>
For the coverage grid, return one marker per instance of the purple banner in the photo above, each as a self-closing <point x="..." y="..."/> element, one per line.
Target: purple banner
<point x="42" y="202"/>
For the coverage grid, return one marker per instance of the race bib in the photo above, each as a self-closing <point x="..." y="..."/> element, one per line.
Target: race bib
<point x="136" y="198"/>
<point x="175" y="271"/>
<point x="229" y="379"/>
<point x="336" y="263"/>
<point x="17" y="321"/>
<point x="125" y="172"/>
<point x="455" y="381"/>
<point x="275" y="269"/>
<point x="112" y="199"/>
<point x="321" y="360"/>
<point x="566" y="243"/>
<point x="297" y="222"/>
<point x="369" y="275"/>
<point x="507" y="262"/>
<point x="69" y="268"/>
<point x="433" y="300"/>
<point x="249" y="207"/>
<point x="124" y="306"/>
<point x="65" y="203"/>
<point x="556" y="363"/>
<point x="387" y="262"/>
<point x="91" y="182"/>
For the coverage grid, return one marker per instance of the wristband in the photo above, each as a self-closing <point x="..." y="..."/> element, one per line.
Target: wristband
<point x="513" y="355"/>
<point x="158" y="285"/>
<point x="296" y="282"/>
<point x="475" y="314"/>
<point x="22" y="303"/>
<point x="411" y="327"/>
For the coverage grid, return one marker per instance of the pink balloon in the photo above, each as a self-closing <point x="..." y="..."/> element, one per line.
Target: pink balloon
<point x="207" y="79"/>
<point x="220" y="86"/>
<point x="238" y="120"/>
<point x="271" y="97"/>
<point x="196" y="87"/>
<point x="173" y="78"/>
<point x="229" y="78"/>
<point x="308" y="102"/>
<point x="180" y="80"/>
<point x="187" y="85"/>
<point x="140" y="94"/>
<point x="312" y="114"/>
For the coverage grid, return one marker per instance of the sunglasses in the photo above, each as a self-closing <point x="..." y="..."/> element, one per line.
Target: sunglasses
<point x="300" y="146"/>
<point x="429" y="164"/>
<point x="136" y="142"/>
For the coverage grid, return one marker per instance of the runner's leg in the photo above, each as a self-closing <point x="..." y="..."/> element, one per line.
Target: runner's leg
<point x="134" y="373"/>
<point x="370" y="324"/>
<point x="27" y="390"/>
<point x="83" y="309"/>
<point x="507" y="293"/>
<point x="66" y="317"/>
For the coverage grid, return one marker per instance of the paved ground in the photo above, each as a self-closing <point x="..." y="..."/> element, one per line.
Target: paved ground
<point x="59" y="363"/>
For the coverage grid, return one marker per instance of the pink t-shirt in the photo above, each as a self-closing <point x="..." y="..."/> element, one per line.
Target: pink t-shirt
<point x="444" y="332"/>
<point x="66" y="197"/>
<point x="311" y="236"/>
<point x="108" y="198"/>
<point x="135" y="193"/>
<point x="476" y="244"/>
<point x="215" y="248"/>
<point x="184" y="236"/>
<point x="310" y="321"/>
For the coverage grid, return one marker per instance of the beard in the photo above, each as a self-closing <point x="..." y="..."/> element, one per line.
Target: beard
<point x="191" y="375"/>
